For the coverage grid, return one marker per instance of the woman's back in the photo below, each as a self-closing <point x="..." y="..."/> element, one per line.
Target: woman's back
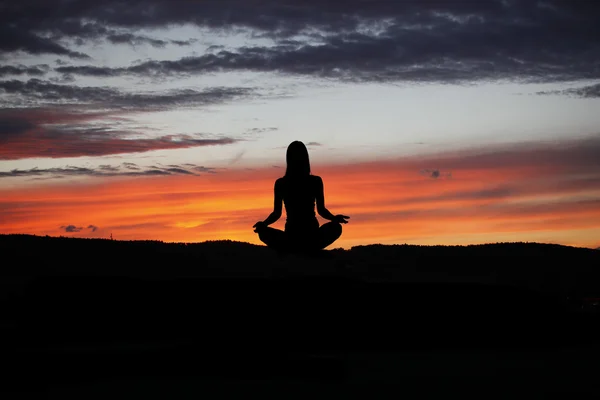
<point x="299" y="194"/>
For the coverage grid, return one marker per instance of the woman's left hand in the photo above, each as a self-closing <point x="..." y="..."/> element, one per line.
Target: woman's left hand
<point x="341" y="219"/>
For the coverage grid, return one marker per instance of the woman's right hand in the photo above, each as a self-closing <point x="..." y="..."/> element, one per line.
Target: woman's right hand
<point x="259" y="225"/>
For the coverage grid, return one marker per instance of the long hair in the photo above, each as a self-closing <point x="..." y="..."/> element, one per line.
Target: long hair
<point x="298" y="163"/>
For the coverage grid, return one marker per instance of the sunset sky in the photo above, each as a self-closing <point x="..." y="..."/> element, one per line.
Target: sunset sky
<point x="430" y="122"/>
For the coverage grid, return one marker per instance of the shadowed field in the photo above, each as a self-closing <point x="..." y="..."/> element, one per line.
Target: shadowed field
<point x="85" y="316"/>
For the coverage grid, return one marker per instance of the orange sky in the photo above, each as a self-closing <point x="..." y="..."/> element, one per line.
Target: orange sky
<point x="550" y="195"/>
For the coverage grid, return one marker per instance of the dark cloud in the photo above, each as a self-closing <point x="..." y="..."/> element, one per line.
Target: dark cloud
<point x="105" y="97"/>
<point x="591" y="91"/>
<point x="134" y="40"/>
<point x="35" y="70"/>
<point x="138" y="40"/>
<point x="131" y="166"/>
<point x="435" y="173"/>
<point x="188" y="42"/>
<point x="91" y="70"/>
<point x="40" y="90"/>
<point x="257" y="131"/>
<point x="108" y="168"/>
<point x="93" y="228"/>
<point x="181" y="171"/>
<point x="201" y="168"/>
<point x="71" y="228"/>
<point x="59" y="134"/>
<point x="314" y="144"/>
<point x="351" y="40"/>
<point x="65" y="78"/>
<point x="13" y="127"/>
<point x="124" y="169"/>
<point x="15" y="39"/>
<point x="75" y="229"/>
<point x="360" y="57"/>
<point x="64" y="143"/>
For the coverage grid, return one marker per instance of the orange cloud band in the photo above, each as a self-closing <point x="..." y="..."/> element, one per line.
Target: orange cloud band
<point x="550" y="195"/>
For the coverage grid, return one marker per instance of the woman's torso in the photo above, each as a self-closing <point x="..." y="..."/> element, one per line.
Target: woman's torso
<point x="299" y="194"/>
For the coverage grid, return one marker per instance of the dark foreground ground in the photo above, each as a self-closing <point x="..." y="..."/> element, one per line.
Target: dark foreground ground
<point x="97" y="319"/>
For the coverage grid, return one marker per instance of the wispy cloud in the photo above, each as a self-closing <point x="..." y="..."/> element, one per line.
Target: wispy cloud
<point x="435" y="173"/>
<point x="62" y="132"/>
<point x="33" y="70"/>
<point x="76" y="229"/>
<point x="137" y="40"/>
<point x="93" y="228"/>
<point x="237" y="157"/>
<point x="124" y="169"/>
<point x="590" y="91"/>
<point x="46" y="92"/>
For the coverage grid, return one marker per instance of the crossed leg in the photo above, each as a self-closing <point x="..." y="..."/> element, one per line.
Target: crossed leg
<point x="308" y="241"/>
<point x="328" y="233"/>
<point x="273" y="238"/>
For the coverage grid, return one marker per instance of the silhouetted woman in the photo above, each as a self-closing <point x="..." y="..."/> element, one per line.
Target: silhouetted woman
<point x="299" y="191"/>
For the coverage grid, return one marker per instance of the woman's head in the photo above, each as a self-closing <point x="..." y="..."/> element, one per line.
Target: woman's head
<point x="297" y="159"/>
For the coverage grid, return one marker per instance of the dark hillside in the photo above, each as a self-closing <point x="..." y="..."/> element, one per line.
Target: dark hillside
<point x="92" y="311"/>
<point x="540" y="266"/>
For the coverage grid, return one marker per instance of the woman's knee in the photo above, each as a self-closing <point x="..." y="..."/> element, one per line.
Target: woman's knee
<point x="334" y="229"/>
<point x="338" y="228"/>
<point x="261" y="236"/>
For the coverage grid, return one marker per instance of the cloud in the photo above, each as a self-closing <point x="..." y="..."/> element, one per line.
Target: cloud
<point x="357" y="57"/>
<point x="34" y="70"/>
<point x="258" y="131"/>
<point x="73" y="121"/>
<point x="237" y="157"/>
<point x="353" y="41"/>
<point x="435" y="173"/>
<point x="76" y="141"/>
<point x="76" y="229"/>
<point x="15" y="39"/>
<point x="105" y="97"/>
<point x="356" y="40"/>
<point x="201" y="168"/>
<point x="135" y="40"/>
<point x="586" y="92"/>
<point x="124" y="169"/>
<point x="188" y="42"/>
<point x="71" y="228"/>
<point x="314" y="144"/>
<point x="43" y="133"/>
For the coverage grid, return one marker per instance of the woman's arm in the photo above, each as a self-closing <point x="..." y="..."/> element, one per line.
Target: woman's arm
<point x="320" y="199"/>
<point x="278" y="199"/>
<point x="322" y="210"/>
